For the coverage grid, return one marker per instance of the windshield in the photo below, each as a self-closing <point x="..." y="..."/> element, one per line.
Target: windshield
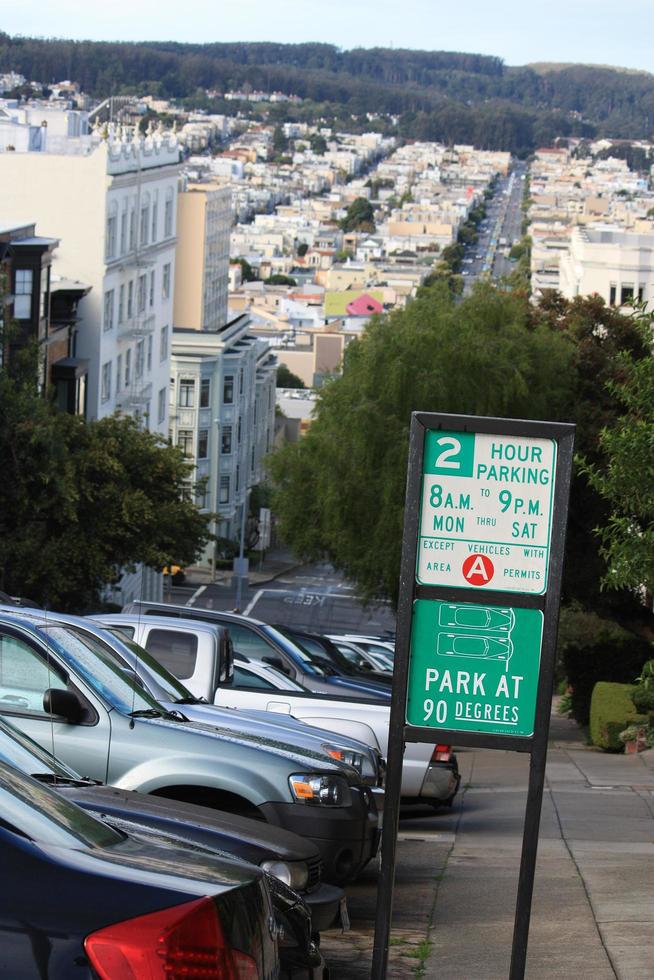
<point x="322" y="650"/>
<point x="90" y="659"/>
<point x="160" y="681"/>
<point x="36" y="812"/>
<point x="298" y="653"/>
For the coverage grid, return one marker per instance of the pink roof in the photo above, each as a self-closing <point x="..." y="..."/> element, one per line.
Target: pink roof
<point x="364" y="305"/>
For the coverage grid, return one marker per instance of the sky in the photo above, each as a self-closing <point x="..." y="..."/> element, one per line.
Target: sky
<point x="518" y="31"/>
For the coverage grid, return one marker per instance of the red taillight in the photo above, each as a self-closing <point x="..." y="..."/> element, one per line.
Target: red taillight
<point x="441" y="753"/>
<point x="185" y="942"/>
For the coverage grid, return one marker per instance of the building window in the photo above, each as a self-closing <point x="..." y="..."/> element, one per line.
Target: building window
<point x="228" y="390"/>
<point x="140" y="358"/>
<point x="226" y="441"/>
<point x="151" y="298"/>
<point x="121" y="304"/>
<point x="161" y="405"/>
<point x="626" y="294"/>
<point x="205" y="392"/>
<point x="240" y="381"/>
<point x="223" y="497"/>
<point x="119" y="372"/>
<point x="128" y="367"/>
<point x="148" y="357"/>
<point x="130" y="299"/>
<point x="641" y="294"/>
<point x="105" y="389"/>
<point x="168" y="213"/>
<point x="23" y="294"/>
<point x="203" y="443"/>
<point x="612" y="294"/>
<point x="111" y="235"/>
<point x="108" y="320"/>
<point x="145" y="223"/>
<point x="238" y="477"/>
<point x="163" y="344"/>
<point x="140" y="294"/>
<point x="186" y="393"/>
<point x="238" y="431"/>
<point x="153" y="236"/>
<point x="165" y="286"/>
<point x="185" y="441"/>
<point x="123" y="232"/>
<point x="132" y="229"/>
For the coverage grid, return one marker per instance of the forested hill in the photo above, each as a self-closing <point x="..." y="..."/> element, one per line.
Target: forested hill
<point x="448" y="96"/>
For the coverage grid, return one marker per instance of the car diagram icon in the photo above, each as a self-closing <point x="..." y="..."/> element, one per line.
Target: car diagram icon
<point x="478" y="632"/>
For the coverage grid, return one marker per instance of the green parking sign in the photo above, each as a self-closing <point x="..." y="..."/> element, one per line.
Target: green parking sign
<point x="473" y="667"/>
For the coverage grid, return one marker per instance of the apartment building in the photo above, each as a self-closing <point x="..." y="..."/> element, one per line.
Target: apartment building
<point x="204" y="220"/>
<point x="110" y="199"/>
<point x="222" y="412"/>
<point x="615" y="264"/>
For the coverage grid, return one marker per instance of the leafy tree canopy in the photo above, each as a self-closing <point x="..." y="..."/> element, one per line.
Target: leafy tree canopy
<point x="340" y="490"/>
<point x="286" y="378"/>
<point x="79" y="501"/>
<point x="360" y="216"/>
<point x="625" y="480"/>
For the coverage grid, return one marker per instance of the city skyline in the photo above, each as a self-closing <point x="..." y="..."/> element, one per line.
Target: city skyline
<point x="560" y="36"/>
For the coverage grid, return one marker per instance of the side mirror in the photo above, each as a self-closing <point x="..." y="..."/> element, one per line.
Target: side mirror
<point x="64" y="703"/>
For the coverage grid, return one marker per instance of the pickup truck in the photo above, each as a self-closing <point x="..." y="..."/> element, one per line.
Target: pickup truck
<point x="429" y="774"/>
<point x="260" y="641"/>
<point x="65" y="692"/>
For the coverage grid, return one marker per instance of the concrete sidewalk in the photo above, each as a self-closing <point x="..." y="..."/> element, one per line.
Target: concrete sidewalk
<point x="593" y="909"/>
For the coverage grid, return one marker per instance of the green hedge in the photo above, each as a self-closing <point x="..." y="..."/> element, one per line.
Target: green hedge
<point x="611" y="710"/>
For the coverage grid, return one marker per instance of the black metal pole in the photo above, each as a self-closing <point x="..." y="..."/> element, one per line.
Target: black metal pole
<point x="538" y="756"/>
<point x="384" y="909"/>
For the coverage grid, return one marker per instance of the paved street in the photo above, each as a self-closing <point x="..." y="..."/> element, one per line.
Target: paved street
<point x="593" y="915"/>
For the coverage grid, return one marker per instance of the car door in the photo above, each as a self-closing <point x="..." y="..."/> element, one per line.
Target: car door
<point x="27" y="671"/>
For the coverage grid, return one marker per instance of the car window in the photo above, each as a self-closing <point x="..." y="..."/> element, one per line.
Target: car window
<point x="92" y="662"/>
<point x="249" y="643"/>
<point x="175" y="649"/>
<point x="25" y="676"/>
<point x="245" y="678"/>
<point x="36" y="812"/>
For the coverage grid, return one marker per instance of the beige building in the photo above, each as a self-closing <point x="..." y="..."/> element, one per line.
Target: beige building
<point x="204" y="219"/>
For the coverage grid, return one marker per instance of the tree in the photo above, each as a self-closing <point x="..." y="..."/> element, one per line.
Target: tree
<point x="286" y="378"/>
<point x="80" y="501"/>
<point x="247" y="272"/>
<point x="279" y="279"/>
<point x="280" y="141"/>
<point x="318" y="144"/>
<point x="626" y="479"/>
<point x="340" y="490"/>
<point x="360" y="216"/>
<point x="302" y="249"/>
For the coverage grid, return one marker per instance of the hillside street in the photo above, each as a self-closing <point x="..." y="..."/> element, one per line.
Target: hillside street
<point x="457" y="873"/>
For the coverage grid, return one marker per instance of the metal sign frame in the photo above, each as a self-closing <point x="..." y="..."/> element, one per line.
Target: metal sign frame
<point x="547" y="602"/>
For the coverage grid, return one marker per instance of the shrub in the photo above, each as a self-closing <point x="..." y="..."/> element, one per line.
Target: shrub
<point x="611" y="712"/>
<point x="594" y="649"/>
<point x="643" y="696"/>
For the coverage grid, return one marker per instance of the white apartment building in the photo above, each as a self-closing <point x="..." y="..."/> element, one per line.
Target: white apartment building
<point x="111" y="201"/>
<point x="222" y="414"/>
<point x="617" y="265"/>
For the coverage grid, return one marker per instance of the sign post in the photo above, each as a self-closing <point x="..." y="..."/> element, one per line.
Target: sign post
<point x="480" y="584"/>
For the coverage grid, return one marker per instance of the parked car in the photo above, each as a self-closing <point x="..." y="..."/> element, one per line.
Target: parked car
<point x="428" y="775"/>
<point x="158" y="642"/>
<point x="82" y="899"/>
<point x="323" y="650"/>
<point x="358" y="656"/>
<point x="68" y="694"/>
<point x="292" y="859"/>
<point x="260" y="641"/>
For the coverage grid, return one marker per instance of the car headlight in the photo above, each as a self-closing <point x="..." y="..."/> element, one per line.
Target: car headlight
<point x="329" y="790"/>
<point x="295" y="874"/>
<point x="349" y="756"/>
